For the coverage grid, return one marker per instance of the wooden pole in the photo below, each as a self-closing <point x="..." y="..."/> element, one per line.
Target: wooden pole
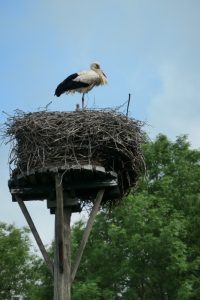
<point x="35" y="233"/>
<point x="62" y="259"/>
<point x="67" y="251"/>
<point x="87" y="231"/>
<point x="62" y="276"/>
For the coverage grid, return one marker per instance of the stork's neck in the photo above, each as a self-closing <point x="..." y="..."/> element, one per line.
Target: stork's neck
<point x="102" y="77"/>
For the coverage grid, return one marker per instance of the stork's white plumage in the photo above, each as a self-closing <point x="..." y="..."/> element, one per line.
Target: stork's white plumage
<point x="82" y="82"/>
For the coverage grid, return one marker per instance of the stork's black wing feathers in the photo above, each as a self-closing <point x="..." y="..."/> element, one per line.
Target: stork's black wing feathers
<point x="69" y="84"/>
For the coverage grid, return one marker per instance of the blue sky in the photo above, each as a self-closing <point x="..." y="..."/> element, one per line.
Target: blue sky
<point x="147" y="48"/>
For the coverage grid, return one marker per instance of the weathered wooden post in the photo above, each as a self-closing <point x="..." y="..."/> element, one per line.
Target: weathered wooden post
<point x="72" y="159"/>
<point x="62" y="259"/>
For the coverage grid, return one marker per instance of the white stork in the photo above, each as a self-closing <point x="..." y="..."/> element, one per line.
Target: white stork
<point x="82" y="82"/>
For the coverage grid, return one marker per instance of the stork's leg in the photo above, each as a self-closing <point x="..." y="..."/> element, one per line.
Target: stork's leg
<point x="83" y="101"/>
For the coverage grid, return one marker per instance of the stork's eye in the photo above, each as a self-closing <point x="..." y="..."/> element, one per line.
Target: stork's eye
<point x="97" y="66"/>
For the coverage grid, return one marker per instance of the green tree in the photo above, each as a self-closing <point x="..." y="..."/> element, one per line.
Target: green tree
<point x="137" y="252"/>
<point x="15" y="261"/>
<point x="40" y="286"/>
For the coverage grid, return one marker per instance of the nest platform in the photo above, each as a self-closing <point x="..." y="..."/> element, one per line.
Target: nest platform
<point x="80" y="185"/>
<point x="91" y="149"/>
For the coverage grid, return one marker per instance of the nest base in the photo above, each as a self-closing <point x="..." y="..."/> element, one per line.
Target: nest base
<point x="80" y="186"/>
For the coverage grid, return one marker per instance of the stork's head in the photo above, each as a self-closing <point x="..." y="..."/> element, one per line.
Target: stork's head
<point x="95" y="66"/>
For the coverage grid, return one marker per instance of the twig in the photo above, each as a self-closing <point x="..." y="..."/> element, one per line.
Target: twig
<point x="129" y="98"/>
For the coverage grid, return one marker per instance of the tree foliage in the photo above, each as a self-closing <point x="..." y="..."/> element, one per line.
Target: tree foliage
<point x="41" y="284"/>
<point x="15" y="261"/>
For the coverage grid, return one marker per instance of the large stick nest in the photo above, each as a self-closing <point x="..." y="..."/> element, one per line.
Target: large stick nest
<point x="98" y="137"/>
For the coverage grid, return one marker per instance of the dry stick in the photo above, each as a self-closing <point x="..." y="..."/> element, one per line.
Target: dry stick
<point x="87" y="231"/>
<point x="35" y="233"/>
<point x="129" y="98"/>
